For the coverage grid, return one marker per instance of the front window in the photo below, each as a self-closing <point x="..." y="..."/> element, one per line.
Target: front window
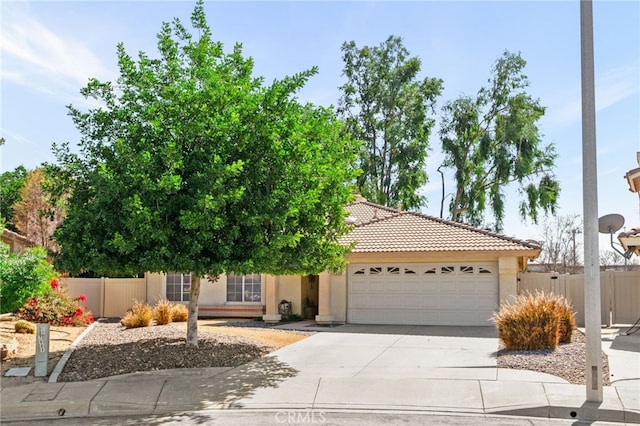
<point x="244" y="288"/>
<point x="178" y="287"/>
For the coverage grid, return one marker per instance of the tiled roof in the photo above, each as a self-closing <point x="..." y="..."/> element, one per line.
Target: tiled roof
<point x="381" y="229"/>
<point x="630" y="240"/>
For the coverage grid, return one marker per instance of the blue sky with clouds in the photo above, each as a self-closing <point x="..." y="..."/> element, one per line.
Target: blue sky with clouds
<point x="50" y="49"/>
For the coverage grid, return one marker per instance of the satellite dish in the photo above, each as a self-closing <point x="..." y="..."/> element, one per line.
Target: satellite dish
<point x="610" y="223"/>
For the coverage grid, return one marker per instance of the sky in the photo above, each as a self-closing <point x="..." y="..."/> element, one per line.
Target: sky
<point x="50" y="49"/>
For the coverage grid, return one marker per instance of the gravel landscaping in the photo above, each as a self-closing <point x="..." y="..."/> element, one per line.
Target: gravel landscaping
<point x="567" y="361"/>
<point x="109" y="349"/>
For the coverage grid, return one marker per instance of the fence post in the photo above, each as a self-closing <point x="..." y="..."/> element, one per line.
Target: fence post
<point x="103" y="302"/>
<point x="607" y="288"/>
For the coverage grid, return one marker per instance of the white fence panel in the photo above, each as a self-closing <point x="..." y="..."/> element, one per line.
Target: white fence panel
<point x="90" y="287"/>
<point x="626" y="297"/>
<point x="619" y="293"/>
<point x="121" y="293"/>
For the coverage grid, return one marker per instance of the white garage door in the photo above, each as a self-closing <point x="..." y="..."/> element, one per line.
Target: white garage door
<point x="422" y="294"/>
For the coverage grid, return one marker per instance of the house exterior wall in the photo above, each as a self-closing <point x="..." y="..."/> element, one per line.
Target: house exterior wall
<point x="290" y="289"/>
<point x="215" y="293"/>
<point x="339" y="297"/>
<point x="112" y="297"/>
<point x="507" y="278"/>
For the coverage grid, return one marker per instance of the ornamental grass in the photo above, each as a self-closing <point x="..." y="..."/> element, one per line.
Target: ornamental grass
<point x="140" y="315"/>
<point x="162" y="312"/>
<point x="535" y="321"/>
<point x="179" y="313"/>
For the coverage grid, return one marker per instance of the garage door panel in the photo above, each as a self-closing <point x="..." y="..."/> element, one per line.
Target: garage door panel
<point x="411" y="302"/>
<point x="430" y="294"/>
<point x="358" y="286"/>
<point x="468" y="303"/>
<point x="359" y="301"/>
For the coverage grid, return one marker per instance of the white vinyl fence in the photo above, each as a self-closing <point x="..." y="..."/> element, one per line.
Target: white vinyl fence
<point x="108" y="297"/>
<point x="619" y="293"/>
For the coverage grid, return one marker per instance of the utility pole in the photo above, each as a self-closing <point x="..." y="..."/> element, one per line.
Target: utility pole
<point x="593" y="368"/>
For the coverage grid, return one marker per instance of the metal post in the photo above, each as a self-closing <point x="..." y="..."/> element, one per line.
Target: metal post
<point x="590" y="209"/>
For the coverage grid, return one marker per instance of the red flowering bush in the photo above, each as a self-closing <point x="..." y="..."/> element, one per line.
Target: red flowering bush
<point x="55" y="307"/>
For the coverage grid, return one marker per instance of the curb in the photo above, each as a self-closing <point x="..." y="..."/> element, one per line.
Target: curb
<point x="53" y="378"/>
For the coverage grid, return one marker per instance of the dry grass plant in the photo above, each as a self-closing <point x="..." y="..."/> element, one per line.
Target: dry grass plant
<point x="162" y="312"/>
<point x="140" y="315"/>
<point x="179" y="313"/>
<point x="567" y="318"/>
<point x="535" y="321"/>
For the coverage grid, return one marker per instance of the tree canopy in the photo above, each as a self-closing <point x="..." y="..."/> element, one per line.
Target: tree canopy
<point x="387" y="106"/>
<point x="35" y="216"/>
<point x="11" y="183"/>
<point x="493" y="140"/>
<point x="193" y="165"/>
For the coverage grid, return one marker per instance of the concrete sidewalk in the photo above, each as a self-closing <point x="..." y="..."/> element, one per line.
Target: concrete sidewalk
<point x="270" y="384"/>
<point x="390" y="370"/>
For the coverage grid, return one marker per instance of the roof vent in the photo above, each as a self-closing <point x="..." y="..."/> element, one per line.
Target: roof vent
<point x="400" y="207"/>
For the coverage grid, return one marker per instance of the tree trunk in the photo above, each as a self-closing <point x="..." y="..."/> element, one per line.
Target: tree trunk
<point x="192" y="321"/>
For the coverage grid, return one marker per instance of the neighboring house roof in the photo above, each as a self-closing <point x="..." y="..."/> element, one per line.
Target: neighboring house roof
<point x="630" y="240"/>
<point x="381" y="229"/>
<point x="15" y="241"/>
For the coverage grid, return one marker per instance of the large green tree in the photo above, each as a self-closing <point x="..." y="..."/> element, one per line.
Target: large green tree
<point x="195" y="166"/>
<point x="11" y="183"/>
<point x="493" y="140"/>
<point x="387" y="106"/>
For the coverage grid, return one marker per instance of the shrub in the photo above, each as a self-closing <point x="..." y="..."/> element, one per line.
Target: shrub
<point x="179" y="313"/>
<point x="567" y="318"/>
<point x="162" y="312"/>
<point x="23" y="275"/>
<point x="291" y="318"/>
<point x="55" y="307"/>
<point x="25" y="327"/>
<point x="531" y="322"/>
<point x="140" y="315"/>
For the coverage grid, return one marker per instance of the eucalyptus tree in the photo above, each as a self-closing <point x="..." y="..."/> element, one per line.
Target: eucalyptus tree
<point x="193" y="165"/>
<point x="386" y="105"/>
<point x="493" y="140"/>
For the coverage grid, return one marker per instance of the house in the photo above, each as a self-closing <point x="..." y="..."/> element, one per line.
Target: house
<point x="405" y="268"/>
<point x="630" y="240"/>
<point x="16" y="242"/>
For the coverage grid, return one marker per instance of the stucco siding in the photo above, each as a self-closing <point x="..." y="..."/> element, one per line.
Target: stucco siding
<point x="289" y="288"/>
<point x="339" y="297"/>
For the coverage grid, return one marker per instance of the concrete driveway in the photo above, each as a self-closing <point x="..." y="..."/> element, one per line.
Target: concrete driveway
<point x="380" y="351"/>
<point x="398" y="367"/>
